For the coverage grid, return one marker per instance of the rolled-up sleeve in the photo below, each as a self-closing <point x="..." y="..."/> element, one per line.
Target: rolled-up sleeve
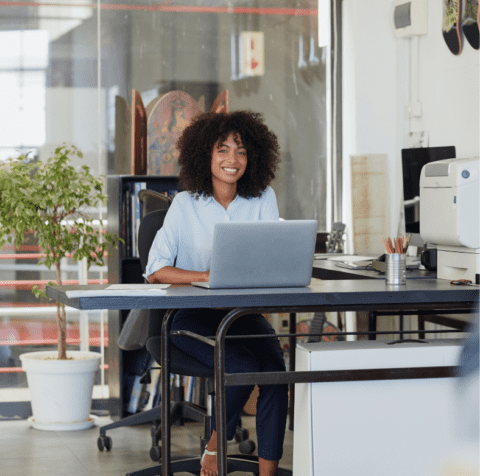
<point x="164" y="247"/>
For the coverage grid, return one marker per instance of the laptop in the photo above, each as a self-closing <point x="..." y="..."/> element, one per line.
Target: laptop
<point x="262" y="254"/>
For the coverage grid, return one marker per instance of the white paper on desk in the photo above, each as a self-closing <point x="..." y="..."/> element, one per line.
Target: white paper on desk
<point x="351" y="258"/>
<point x="120" y="290"/>
<point x="135" y="287"/>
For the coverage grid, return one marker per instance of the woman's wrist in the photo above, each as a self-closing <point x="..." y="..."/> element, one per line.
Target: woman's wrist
<point x="172" y="275"/>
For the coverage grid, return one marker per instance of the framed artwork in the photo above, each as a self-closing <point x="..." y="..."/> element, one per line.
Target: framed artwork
<point x="139" y="135"/>
<point x="166" y="121"/>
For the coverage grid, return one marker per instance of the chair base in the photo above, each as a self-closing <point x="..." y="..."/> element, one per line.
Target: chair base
<point x="179" y="412"/>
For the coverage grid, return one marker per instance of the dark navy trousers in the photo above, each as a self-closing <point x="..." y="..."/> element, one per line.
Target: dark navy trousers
<point x="242" y="356"/>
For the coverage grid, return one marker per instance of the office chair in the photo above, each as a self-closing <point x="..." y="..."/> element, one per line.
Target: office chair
<point x="133" y="337"/>
<point x="135" y="330"/>
<point x="335" y="238"/>
<point x="186" y="365"/>
<point x="319" y="322"/>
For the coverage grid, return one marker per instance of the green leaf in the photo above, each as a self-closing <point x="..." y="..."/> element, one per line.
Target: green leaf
<point x="39" y="196"/>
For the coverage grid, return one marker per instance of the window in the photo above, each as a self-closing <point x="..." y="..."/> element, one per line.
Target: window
<point x="68" y="72"/>
<point x="23" y="65"/>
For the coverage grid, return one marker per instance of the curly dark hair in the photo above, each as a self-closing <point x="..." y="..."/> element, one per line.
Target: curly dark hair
<point x="196" y="147"/>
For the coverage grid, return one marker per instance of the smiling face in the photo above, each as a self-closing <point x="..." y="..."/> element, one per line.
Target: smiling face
<point x="229" y="162"/>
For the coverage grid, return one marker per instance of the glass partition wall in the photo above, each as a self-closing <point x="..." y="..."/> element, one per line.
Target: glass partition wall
<point x="67" y="72"/>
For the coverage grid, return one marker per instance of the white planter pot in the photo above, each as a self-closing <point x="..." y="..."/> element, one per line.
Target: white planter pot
<point x="61" y="390"/>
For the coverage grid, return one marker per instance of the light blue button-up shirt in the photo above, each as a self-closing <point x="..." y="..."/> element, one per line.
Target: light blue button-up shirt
<point x="187" y="232"/>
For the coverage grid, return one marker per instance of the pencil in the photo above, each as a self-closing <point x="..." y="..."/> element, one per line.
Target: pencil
<point x="406" y="243"/>
<point x="390" y="244"/>
<point x="386" y="245"/>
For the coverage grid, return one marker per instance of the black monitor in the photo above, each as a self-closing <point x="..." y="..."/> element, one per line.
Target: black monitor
<point x="412" y="162"/>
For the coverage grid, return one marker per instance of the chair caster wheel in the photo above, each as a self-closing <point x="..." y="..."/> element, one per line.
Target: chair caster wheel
<point x="155" y="453"/>
<point x="247" y="447"/>
<point x="104" y="442"/>
<point x="241" y="434"/>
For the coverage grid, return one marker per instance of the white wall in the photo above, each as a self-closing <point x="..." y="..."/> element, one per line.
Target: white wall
<point x="377" y="81"/>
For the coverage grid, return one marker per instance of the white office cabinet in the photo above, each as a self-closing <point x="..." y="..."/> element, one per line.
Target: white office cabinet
<point x="374" y="428"/>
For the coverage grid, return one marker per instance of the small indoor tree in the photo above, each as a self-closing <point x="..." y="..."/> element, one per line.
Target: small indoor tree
<point x="52" y="200"/>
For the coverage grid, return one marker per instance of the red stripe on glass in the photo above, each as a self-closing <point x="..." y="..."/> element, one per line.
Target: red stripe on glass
<point x="176" y="8"/>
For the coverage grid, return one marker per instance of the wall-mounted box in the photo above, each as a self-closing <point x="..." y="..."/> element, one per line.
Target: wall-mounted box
<point x="410" y="18"/>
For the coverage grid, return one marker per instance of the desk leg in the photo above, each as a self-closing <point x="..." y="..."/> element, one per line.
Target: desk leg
<point x="165" y="403"/>
<point x="291" y="367"/>
<point x="372" y="325"/>
<point x="421" y="326"/>
<point x="220" y="403"/>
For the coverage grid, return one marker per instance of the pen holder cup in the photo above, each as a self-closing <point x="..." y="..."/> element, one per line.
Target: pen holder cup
<point x="395" y="268"/>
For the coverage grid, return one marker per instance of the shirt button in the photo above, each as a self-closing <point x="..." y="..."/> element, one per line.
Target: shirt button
<point x="227" y="217"/>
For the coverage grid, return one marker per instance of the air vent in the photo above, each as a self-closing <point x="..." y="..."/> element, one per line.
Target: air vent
<point x="436" y="170"/>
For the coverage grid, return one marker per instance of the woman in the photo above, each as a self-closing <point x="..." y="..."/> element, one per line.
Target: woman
<point x="227" y="162"/>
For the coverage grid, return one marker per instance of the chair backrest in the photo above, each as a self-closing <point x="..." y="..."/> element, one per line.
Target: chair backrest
<point x="140" y="325"/>
<point x="335" y="239"/>
<point x="150" y="200"/>
<point x="149" y="225"/>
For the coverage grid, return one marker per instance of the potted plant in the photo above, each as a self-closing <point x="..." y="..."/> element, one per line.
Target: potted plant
<point x="52" y="200"/>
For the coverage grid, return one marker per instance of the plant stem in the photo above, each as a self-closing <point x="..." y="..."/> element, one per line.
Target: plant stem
<point x="61" y="321"/>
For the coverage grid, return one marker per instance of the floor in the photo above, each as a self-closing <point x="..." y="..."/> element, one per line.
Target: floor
<point x="25" y="451"/>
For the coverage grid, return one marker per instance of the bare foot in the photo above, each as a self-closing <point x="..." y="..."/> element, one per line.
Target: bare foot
<point x="209" y="466"/>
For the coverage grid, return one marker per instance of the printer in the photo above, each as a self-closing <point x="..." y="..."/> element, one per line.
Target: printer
<point x="450" y="216"/>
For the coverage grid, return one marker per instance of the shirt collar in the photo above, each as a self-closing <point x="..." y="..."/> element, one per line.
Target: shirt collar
<point x="205" y="201"/>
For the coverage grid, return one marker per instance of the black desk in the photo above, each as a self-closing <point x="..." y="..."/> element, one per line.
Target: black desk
<point x="352" y="295"/>
<point x="331" y="295"/>
<point x="327" y="269"/>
